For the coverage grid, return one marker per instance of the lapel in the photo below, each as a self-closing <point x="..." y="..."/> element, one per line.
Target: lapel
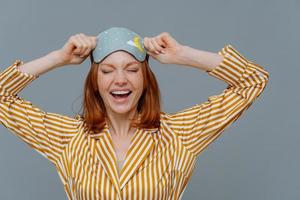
<point x="141" y="145"/>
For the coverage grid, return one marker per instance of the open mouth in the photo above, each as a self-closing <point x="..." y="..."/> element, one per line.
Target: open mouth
<point x="120" y="95"/>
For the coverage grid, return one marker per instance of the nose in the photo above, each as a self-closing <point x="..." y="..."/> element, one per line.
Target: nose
<point x="120" y="78"/>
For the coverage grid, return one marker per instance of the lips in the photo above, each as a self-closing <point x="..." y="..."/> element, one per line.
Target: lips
<point x="114" y="90"/>
<point x="120" y="94"/>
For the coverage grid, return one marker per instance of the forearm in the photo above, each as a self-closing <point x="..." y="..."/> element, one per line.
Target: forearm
<point x="41" y="65"/>
<point x="200" y="59"/>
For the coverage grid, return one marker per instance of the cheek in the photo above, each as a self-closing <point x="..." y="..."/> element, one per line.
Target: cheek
<point x="138" y="82"/>
<point x="103" y="84"/>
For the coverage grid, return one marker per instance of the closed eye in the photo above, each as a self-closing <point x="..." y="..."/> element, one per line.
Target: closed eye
<point x="133" y="70"/>
<point x="106" y="72"/>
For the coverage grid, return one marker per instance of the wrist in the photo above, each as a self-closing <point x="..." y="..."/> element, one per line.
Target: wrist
<point x="200" y="59"/>
<point x="54" y="58"/>
<point x="184" y="56"/>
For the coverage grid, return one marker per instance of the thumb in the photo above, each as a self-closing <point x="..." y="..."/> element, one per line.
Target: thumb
<point x="94" y="41"/>
<point x="168" y="39"/>
<point x="68" y="48"/>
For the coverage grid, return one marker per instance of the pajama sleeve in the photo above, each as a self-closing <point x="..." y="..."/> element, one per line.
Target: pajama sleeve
<point x="47" y="133"/>
<point x="201" y="124"/>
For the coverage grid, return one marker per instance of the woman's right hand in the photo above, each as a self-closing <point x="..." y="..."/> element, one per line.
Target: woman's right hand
<point x="77" y="49"/>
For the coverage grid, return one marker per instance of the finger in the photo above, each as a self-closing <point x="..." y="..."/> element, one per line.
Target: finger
<point x="151" y="54"/>
<point x="151" y="46"/>
<point x="146" y="43"/>
<point x="167" y="38"/>
<point x="70" y="45"/>
<point x="94" y="41"/>
<point x="82" y="44"/>
<point x="78" y="44"/>
<point x="160" y="42"/>
<point x="156" y="45"/>
<point x="85" y="43"/>
<point x="91" y="46"/>
<point x="88" y="44"/>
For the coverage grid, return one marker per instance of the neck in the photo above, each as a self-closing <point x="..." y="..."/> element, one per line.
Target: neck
<point x="120" y="124"/>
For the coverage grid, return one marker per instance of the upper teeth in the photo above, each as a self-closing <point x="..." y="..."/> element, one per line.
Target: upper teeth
<point x="120" y="92"/>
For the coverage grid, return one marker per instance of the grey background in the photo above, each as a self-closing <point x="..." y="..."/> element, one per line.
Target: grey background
<point x="257" y="157"/>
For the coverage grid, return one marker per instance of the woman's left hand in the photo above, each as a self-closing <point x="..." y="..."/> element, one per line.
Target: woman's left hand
<point x="163" y="48"/>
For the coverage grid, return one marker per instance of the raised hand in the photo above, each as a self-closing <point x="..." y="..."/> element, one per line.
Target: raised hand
<point x="77" y="48"/>
<point x="163" y="48"/>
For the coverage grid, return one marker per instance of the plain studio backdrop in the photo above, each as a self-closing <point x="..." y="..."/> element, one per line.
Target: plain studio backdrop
<point x="257" y="157"/>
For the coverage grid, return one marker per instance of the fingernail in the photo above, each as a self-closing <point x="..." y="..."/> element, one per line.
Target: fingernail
<point x="157" y="52"/>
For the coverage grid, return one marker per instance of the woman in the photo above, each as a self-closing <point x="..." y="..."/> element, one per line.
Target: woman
<point x="121" y="121"/>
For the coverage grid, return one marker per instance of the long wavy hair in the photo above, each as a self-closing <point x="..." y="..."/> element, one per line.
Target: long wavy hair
<point x="94" y="112"/>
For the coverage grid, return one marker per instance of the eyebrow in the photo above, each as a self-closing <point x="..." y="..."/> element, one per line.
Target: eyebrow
<point x="110" y="65"/>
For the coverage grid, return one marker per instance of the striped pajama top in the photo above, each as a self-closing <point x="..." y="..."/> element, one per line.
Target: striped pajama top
<point x="159" y="162"/>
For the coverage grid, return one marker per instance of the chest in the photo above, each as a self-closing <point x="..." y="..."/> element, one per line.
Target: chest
<point x="162" y="175"/>
<point x="121" y="146"/>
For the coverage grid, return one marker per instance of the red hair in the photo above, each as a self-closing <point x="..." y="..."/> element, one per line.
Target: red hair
<point x="149" y="106"/>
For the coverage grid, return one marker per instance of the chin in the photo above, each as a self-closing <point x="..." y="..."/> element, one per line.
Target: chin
<point x="121" y="110"/>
